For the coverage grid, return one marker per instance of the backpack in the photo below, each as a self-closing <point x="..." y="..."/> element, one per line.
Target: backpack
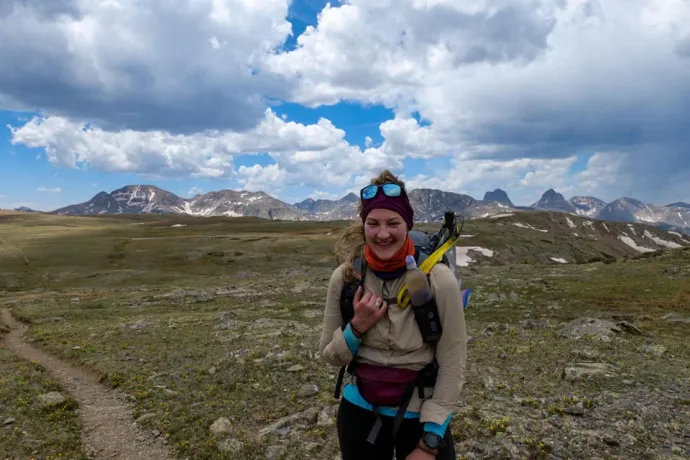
<point x="429" y="250"/>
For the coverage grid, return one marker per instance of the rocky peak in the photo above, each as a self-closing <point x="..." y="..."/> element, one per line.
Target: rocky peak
<point x="350" y="197"/>
<point x="587" y="205"/>
<point x="430" y="205"/>
<point x="499" y="196"/>
<point x="553" y="201"/>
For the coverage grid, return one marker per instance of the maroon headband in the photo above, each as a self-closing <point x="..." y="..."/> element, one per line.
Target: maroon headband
<point x="399" y="204"/>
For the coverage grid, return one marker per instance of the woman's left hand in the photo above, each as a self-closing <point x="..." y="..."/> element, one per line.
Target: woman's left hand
<point x="419" y="454"/>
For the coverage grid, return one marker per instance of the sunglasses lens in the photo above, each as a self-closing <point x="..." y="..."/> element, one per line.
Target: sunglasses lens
<point x="392" y="190"/>
<point x="369" y="192"/>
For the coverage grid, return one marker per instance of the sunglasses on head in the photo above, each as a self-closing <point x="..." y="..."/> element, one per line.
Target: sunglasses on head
<point x="370" y="191"/>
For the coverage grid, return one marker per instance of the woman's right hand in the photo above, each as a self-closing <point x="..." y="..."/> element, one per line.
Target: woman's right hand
<point x="368" y="310"/>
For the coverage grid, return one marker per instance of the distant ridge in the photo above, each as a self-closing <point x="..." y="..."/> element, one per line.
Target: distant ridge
<point x="429" y="206"/>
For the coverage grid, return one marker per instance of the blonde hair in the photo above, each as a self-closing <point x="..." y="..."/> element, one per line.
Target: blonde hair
<point x="351" y="244"/>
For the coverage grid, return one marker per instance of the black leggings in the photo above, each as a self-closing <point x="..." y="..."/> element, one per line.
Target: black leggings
<point x="354" y="425"/>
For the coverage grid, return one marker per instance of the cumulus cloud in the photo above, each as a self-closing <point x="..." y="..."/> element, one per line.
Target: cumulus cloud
<point x="313" y="155"/>
<point x="511" y="91"/>
<point x="171" y="65"/>
<point x="510" y="80"/>
<point x="333" y="167"/>
<point x="262" y="178"/>
<point x="399" y="43"/>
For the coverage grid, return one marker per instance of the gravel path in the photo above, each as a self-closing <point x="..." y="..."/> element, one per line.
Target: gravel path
<point x="109" y="431"/>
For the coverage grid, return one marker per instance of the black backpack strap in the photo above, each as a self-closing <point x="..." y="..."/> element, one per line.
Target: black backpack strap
<point x="399" y="415"/>
<point x="427" y="378"/>
<point x="350" y="369"/>
<point x="339" y="382"/>
<point x="347" y="311"/>
<point x="376" y="428"/>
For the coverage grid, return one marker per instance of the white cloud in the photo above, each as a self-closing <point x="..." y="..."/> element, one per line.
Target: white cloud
<point x="313" y="155"/>
<point x="159" y="153"/>
<point x="49" y="190"/>
<point x="176" y="65"/>
<point x="511" y="91"/>
<point x="262" y="178"/>
<point x="3" y="195"/>
<point x="399" y="44"/>
<point x="499" y="80"/>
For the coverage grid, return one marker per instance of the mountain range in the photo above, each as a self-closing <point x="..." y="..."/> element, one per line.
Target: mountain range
<point x="429" y="206"/>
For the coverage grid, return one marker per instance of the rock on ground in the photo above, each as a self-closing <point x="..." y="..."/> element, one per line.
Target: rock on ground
<point x="221" y="426"/>
<point x="580" y="371"/>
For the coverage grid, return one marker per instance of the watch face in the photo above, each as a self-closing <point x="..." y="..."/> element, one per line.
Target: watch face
<point x="432" y="440"/>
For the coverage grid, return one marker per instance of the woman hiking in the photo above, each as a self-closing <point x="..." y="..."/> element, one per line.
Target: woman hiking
<point x="404" y="389"/>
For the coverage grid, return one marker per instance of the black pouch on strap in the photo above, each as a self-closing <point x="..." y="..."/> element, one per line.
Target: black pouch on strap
<point x="428" y="320"/>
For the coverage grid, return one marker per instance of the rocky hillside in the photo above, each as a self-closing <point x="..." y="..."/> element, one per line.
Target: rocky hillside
<point x="147" y="199"/>
<point x="132" y="199"/>
<point x="556" y="238"/>
<point x="238" y="204"/>
<point x="632" y="210"/>
<point x="342" y="209"/>
<point x="429" y="204"/>
<point x="674" y="216"/>
<point x="587" y="206"/>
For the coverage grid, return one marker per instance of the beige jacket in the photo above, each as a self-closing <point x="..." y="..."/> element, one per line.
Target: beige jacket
<point x="397" y="341"/>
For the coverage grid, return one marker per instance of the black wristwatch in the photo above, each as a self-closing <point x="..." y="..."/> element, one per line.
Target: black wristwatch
<point x="431" y="443"/>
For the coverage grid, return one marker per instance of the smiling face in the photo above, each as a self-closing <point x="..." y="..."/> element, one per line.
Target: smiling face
<point x="385" y="232"/>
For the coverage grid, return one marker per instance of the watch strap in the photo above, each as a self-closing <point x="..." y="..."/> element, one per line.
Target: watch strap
<point x="425" y="447"/>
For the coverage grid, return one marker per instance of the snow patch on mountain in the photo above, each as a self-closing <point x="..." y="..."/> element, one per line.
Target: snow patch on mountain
<point x="630" y="242"/>
<point x="590" y="224"/>
<point x="521" y="225"/>
<point x="587" y="206"/>
<point x="679" y="236"/>
<point x="661" y="242"/>
<point x="462" y="259"/>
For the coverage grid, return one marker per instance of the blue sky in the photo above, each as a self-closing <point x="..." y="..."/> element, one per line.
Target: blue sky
<point x="301" y="99"/>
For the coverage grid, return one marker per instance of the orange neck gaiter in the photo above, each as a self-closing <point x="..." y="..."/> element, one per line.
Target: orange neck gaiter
<point x="394" y="263"/>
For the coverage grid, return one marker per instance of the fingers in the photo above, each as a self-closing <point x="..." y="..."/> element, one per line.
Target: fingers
<point x="366" y="298"/>
<point x="381" y="311"/>
<point x="367" y="301"/>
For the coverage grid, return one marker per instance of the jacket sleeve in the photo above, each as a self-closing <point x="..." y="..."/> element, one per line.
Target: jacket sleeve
<point x="333" y="346"/>
<point x="451" y="349"/>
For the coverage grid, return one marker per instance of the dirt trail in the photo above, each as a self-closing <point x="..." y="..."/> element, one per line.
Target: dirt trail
<point x="109" y="432"/>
